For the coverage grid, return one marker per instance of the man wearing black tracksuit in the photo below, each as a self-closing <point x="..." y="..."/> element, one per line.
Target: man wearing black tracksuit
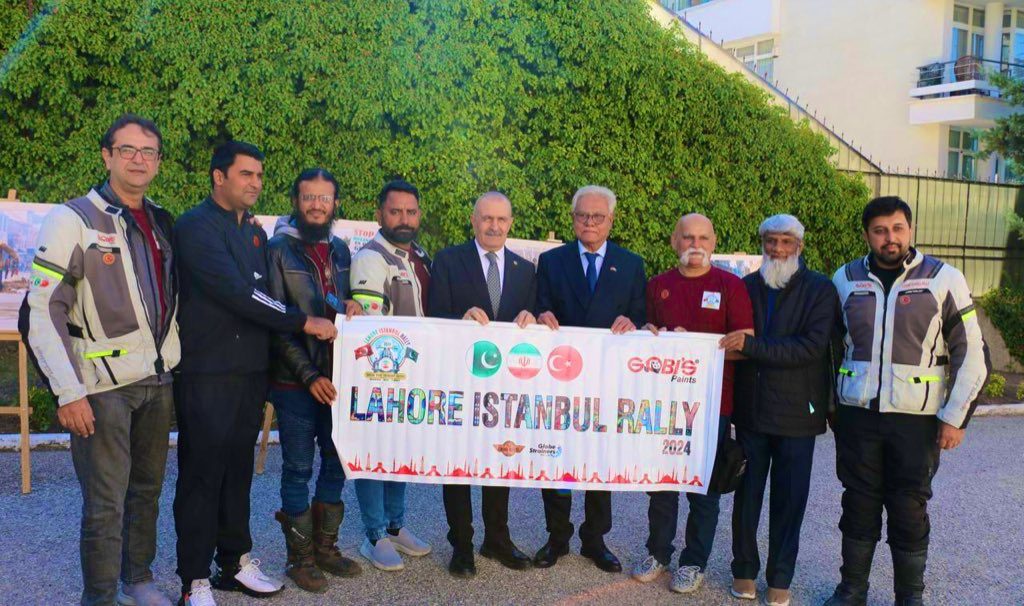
<point x="226" y="319"/>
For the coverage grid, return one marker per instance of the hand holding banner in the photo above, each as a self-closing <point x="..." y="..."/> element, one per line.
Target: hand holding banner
<point x="451" y="402"/>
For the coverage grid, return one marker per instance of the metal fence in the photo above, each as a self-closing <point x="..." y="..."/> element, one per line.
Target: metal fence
<point x="963" y="223"/>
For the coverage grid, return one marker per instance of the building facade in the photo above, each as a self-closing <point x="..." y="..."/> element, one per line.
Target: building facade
<point x="905" y="81"/>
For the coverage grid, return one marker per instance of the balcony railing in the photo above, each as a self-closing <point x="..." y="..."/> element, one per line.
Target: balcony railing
<point x="968" y="75"/>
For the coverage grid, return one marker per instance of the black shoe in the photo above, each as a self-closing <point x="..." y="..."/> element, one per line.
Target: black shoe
<point x="509" y="557"/>
<point x="856" y="568"/>
<point x="549" y="554"/>
<point x="908" y="576"/>
<point x="462" y="565"/>
<point x="602" y="558"/>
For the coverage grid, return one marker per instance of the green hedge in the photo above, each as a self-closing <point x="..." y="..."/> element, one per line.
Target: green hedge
<point x="1005" y="307"/>
<point x="532" y="97"/>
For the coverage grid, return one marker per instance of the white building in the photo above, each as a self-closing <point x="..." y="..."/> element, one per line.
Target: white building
<point x="904" y="80"/>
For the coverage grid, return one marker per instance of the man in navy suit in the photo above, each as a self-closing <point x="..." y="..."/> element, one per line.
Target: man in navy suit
<point x="596" y="284"/>
<point x="482" y="280"/>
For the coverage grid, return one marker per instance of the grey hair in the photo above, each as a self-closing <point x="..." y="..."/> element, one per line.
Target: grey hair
<point x="491" y="194"/>
<point x="589" y="190"/>
<point x="782" y="224"/>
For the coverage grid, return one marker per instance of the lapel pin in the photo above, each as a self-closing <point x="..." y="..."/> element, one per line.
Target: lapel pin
<point x="516" y="263"/>
<point x="612" y="268"/>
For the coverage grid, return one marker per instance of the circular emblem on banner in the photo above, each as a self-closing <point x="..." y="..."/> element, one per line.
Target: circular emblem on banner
<point x="256" y="241"/>
<point x="904" y="300"/>
<point x="108" y="258"/>
<point x="483" y="359"/>
<point x="664" y="293"/>
<point x="524" y="361"/>
<point x="565" y="363"/>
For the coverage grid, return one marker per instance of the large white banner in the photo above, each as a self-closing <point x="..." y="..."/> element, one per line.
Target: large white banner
<point x="451" y="402"/>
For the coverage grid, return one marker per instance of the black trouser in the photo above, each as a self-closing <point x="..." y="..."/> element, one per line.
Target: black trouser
<point x="218" y="422"/>
<point x="597" y="522"/>
<point x="886" y="460"/>
<point x="458" y="507"/>
<point x="789" y="461"/>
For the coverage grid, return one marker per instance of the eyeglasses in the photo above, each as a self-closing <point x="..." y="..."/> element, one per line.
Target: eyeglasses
<point x="324" y="199"/>
<point x="589" y="219"/>
<point x="127" y="152"/>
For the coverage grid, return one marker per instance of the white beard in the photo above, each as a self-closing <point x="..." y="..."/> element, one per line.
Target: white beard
<point x="684" y="258"/>
<point x="777" y="274"/>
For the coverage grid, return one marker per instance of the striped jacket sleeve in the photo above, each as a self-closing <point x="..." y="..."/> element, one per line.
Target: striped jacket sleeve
<point x="58" y="266"/>
<point x="368" y="277"/>
<point x="968" y="364"/>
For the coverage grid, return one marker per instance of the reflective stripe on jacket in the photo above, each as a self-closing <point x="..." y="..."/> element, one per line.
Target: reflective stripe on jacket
<point x="917" y="351"/>
<point x="384" y="280"/>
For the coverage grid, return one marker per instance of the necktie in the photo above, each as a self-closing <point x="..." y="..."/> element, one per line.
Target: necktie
<point x="591" y="269"/>
<point x="493" y="282"/>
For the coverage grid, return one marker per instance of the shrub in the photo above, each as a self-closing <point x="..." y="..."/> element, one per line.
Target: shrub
<point x="532" y="97"/>
<point x="1020" y="391"/>
<point x="44" y="409"/>
<point x="996" y="386"/>
<point x="1005" y="307"/>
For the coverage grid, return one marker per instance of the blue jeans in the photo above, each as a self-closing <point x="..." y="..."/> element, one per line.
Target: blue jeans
<point x="303" y="424"/>
<point x="382" y="505"/>
<point x="662" y="514"/>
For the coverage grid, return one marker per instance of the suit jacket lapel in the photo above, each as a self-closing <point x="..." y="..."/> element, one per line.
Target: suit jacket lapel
<point x="575" y="275"/>
<point x="608" y="268"/>
<point x="474" y="271"/>
<point x="512" y="269"/>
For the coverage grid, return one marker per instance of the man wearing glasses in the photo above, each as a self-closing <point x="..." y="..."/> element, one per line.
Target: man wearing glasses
<point x="593" y="283"/>
<point x="101" y="308"/>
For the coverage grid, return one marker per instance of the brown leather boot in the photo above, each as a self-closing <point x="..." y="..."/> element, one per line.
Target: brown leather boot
<point x="327" y="518"/>
<point x="298" y="539"/>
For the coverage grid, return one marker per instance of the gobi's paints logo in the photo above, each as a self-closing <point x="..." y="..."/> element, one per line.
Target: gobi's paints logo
<point x="565" y="363"/>
<point x="682" y="370"/>
<point x="387" y="349"/>
<point x="547" y="450"/>
<point x="524" y="361"/>
<point x="483" y="359"/>
<point x="509" y="448"/>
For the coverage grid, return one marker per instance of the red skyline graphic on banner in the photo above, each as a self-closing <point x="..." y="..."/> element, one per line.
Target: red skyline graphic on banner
<point x="584" y="476"/>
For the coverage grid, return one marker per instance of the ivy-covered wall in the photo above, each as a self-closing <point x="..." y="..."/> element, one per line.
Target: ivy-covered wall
<point x="531" y="97"/>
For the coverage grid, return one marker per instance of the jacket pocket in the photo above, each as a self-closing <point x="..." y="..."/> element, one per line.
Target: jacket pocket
<point x="853" y="382"/>
<point x="108" y="286"/>
<point x="117" y="362"/>
<point x="917" y="388"/>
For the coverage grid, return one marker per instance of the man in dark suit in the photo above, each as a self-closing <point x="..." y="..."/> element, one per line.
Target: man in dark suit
<point x="596" y="284"/>
<point x="482" y="280"/>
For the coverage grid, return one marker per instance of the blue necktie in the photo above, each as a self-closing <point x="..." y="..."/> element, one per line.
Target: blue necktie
<point x="591" y="269"/>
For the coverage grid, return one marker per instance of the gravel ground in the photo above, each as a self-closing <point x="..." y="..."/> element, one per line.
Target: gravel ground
<point x="977" y="554"/>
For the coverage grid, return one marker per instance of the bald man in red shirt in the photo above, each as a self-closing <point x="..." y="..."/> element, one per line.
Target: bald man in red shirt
<point x="695" y="297"/>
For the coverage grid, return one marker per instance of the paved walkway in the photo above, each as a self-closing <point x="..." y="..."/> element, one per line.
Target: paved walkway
<point x="977" y="552"/>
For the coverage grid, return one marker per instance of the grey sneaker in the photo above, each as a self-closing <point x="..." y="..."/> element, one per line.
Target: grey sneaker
<point x="382" y="555"/>
<point x="687" y="579"/>
<point x="409" y="544"/>
<point x="141" y="594"/>
<point x="200" y="594"/>
<point x="648" y="570"/>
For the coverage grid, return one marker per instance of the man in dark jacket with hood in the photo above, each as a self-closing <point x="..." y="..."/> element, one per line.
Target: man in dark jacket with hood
<point x="783" y="393"/>
<point x="308" y="268"/>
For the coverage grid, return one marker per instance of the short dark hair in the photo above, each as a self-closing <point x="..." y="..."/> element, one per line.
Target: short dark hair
<point x="312" y="174"/>
<point x="884" y="206"/>
<point x="396" y="185"/>
<point x="225" y="154"/>
<point x="107" y="140"/>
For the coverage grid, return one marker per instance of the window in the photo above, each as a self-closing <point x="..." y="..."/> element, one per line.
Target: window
<point x="962" y="156"/>
<point x="968" y="32"/>
<point x="759" y="56"/>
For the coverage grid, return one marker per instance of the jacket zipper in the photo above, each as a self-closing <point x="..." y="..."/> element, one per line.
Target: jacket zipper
<point x="159" y="362"/>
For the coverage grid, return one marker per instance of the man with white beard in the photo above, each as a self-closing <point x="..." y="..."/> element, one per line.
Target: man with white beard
<point x="784" y="391"/>
<point x="697" y="297"/>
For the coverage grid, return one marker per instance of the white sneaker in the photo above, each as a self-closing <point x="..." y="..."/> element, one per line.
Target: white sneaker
<point x="201" y="594"/>
<point x="648" y="570"/>
<point x="687" y="579"/>
<point x="382" y="555"/>
<point x="409" y="544"/>
<point x="253" y="582"/>
<point x="141" y="594"/>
